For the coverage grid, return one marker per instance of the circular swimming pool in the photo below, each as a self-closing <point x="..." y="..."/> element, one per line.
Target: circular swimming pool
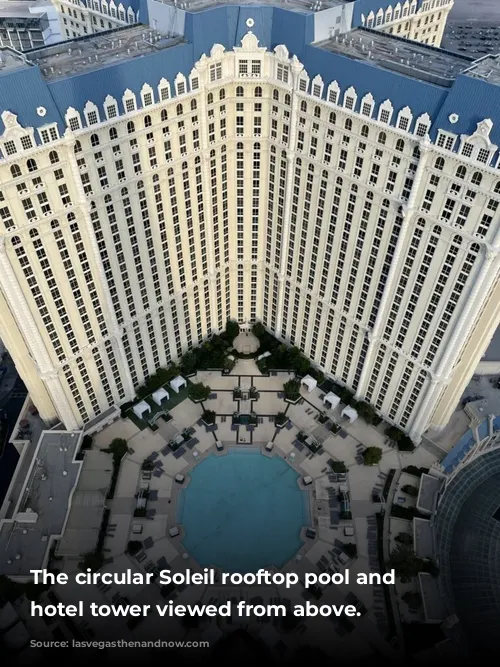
<point x="243" y="511"/>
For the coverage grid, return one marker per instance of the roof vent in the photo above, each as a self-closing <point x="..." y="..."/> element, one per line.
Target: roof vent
<point x="65" y="473"/>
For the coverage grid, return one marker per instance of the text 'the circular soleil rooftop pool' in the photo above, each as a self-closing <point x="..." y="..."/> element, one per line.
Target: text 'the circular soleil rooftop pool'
<point x="243" y="511"/>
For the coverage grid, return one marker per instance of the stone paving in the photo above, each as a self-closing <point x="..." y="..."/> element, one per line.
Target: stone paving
<point x="346" y="446"/>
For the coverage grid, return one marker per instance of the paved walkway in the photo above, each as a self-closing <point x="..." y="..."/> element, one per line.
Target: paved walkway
<point x="246" y="343"/>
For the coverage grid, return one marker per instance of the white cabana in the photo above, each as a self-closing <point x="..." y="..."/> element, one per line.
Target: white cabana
<point x="350" y="413"/>
<point x="331" y="400"/>
<point x="309" y="382"/>
<point x="141" y="408"/>
<point x="177" y="383"/>
<point x="159" y="395"/>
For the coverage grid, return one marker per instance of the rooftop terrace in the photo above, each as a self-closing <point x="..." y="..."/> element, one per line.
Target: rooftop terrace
<point x="487" y="68"/>
<point x="94" y="52"/>
<point x="418" y="61"/>
<point x="42" y="508"/>
<point x="303" y="6"/>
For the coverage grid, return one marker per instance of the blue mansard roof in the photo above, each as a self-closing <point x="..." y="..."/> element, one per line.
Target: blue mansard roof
<point x="24" y="89"/>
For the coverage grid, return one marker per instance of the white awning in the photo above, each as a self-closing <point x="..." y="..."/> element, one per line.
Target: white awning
<point x="159" y="395"/>
<point x="309" y="382"/>
<point x="141" y="408"/>
<point x="331" y="400"/>
<point x="177" y="383"/>
<point x="350" y="413"/>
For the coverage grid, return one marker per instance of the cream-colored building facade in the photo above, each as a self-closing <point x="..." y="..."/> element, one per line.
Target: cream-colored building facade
<point x="424" y="24"/>
<point x="250" y="190"/>
<point x="86" y="17"/>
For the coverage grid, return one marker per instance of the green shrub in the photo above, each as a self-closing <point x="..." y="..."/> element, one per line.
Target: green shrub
<point x="281" y="419"/>
<point x="208" y="417"/>
<point x="292" y="389"/>
<point x="337" y="466"/>
<point x="372" y="456"/>
<point x="199" y="392"/>
<point x="232" y="330"/>
<point x="410" y="490"/>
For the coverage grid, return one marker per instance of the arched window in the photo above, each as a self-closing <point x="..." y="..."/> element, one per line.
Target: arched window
<point x="365" y="131"/>
<point x="287" y="100"/>
<point x="416" y="152"/>
<point x="179" y="110"/>
<point x="400" y="145"/>
<point x="31" y="164"/>
<point x="15" y="240"/>
<point x="439" y="163"/>
<point x="54" y="224"/>
<point x="53" y="157"/>
<point x="34" y="233"/>
<point x="124" y="192"/>
<point x="317" y="112"/>
<point x="94" y="140"/>
<point x="348" y="124"/>
<point x="332" y="118"/>
<point x="496" y="189"/>
<point x="475" y="180"/>
<point x="276" y="95"/>
<point x="78" y="147"/>
<point x="71" y="217"/>
<point x="258" y="92"/>
<point x="163" y="115"/>
<point x="210" y="98"/>
<point x="147" y="121"/>
<point x="239" y="91"/>
<point x="15" y="170"/>
<point x="130" y="127"/>
<point x="461" y="172"/>
<point x="303" y="106"/>
<point x="113" y="134"/>
<point x="107" y="199"/>
<point x="382" y="138"/>
<point x="194" y="105"/>
<point x="222" y="94"/>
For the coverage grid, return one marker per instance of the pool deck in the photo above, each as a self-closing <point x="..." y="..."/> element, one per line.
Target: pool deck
<point x="166" y="552"/>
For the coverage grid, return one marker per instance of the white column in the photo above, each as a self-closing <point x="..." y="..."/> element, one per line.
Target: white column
<point x="408" y="214"/>
<point x="296" y="68"/>
<point x="461" y="331"/>
<point x="202" y="68"/>
<point x="115" y="330"/>
<point x="36" y="346"/>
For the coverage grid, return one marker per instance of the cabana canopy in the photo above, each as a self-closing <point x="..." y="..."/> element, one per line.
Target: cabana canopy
<point x="350" y="413"/>
<point x="141" y="408"/>
<point x="177" y="383"/>
<point x="309" y="382"/>
<point x="159" y="395"/>
<point x="331" y="400"/>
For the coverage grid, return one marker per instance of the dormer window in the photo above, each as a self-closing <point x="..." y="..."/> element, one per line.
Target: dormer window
<point x="111" y="110"/>
<point x="164" y="90"/>
<point x="26" y="143"/>
<point x="48" y="134"/>
<point x="446" y="141"/>
<point x="215" y="72"/>
<point x="282" y="73"/>
<point x="10" y="148"/>
<point x="129" y="102"/>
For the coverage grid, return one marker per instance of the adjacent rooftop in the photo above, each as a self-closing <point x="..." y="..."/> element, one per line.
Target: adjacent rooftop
<point x="488" y="68"/>
<point x="42" y="508"/>
<point x="303" y="6"/>
<point x="94" y="52"/>
<point x="418" y="61"/>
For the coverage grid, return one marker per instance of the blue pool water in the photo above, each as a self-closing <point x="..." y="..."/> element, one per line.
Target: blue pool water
<point x="243" y="511"/>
